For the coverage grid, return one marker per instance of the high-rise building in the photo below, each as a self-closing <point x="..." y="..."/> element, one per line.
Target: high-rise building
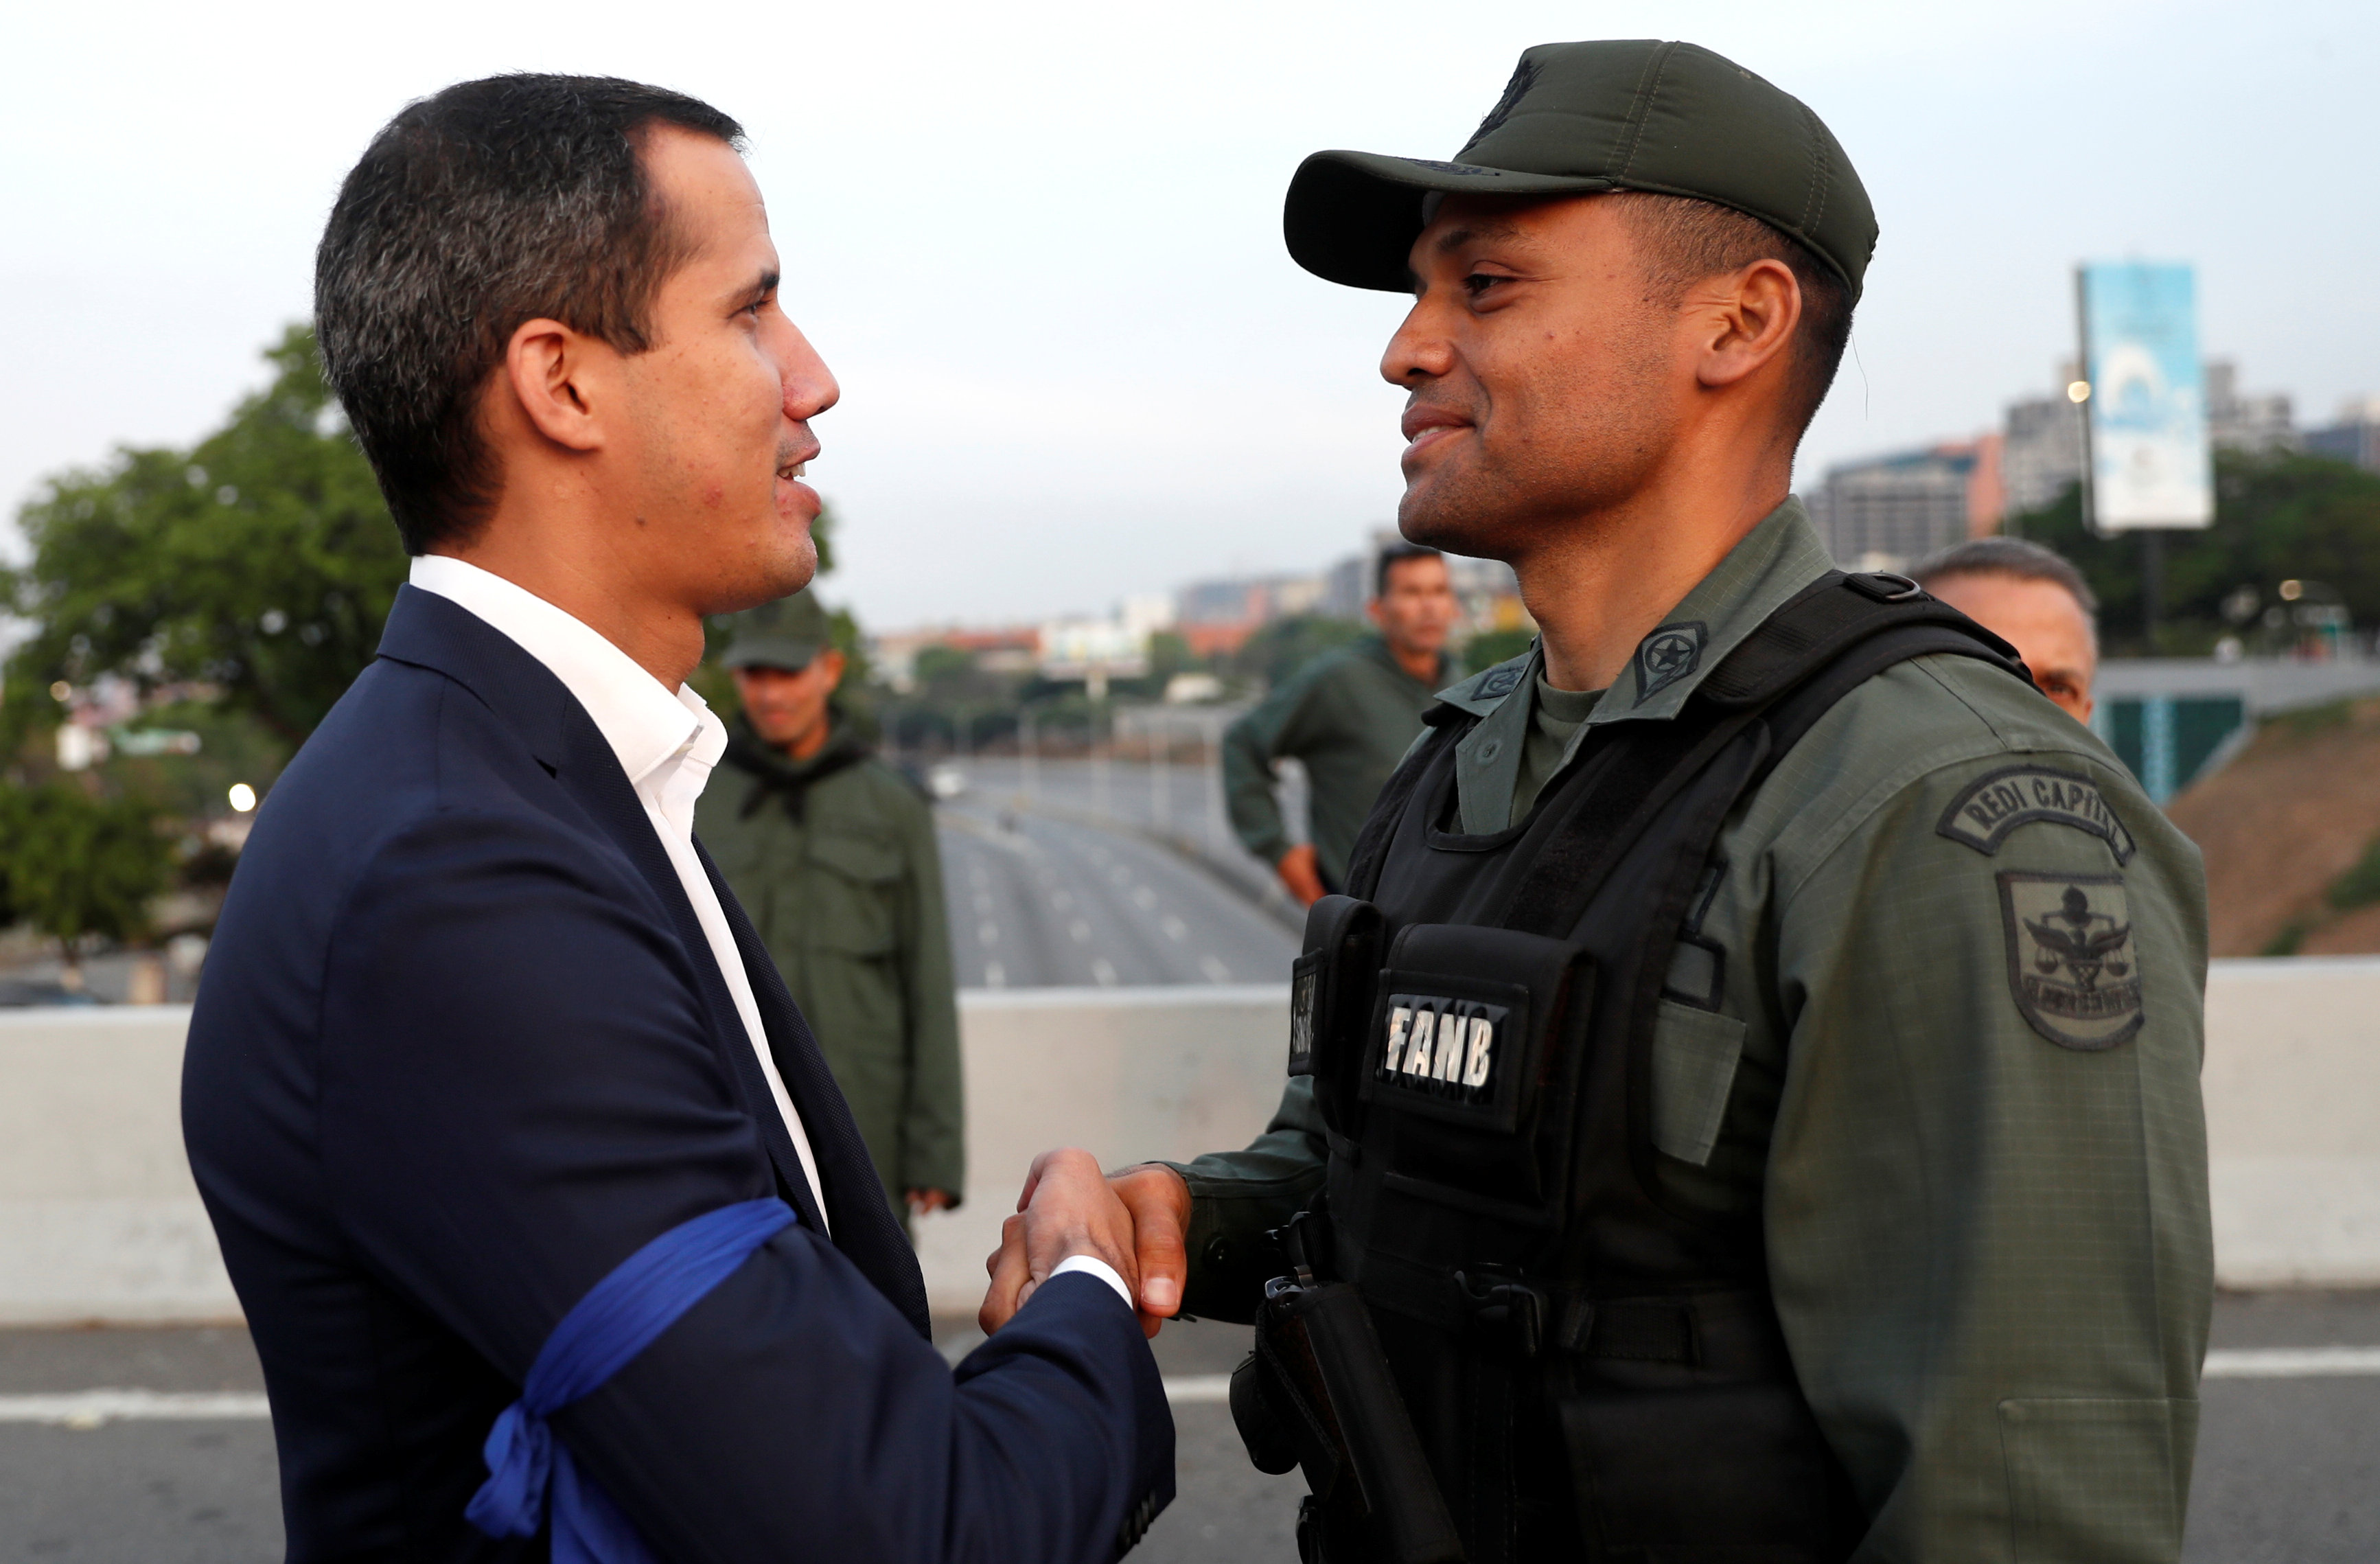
<point x="2041" y="453"/>
<point x="2237" y="422"/>
<point x="1881" y="513"/>
<point x="2354" y="438"/>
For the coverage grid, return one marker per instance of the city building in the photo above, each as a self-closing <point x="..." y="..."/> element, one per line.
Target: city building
<point x="2238" y="422"/>
<point x="2354" y="438"/>
<point x="2041" y="449"/>
<point x="1883" y="513"/>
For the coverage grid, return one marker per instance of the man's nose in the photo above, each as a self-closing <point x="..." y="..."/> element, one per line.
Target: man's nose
<point x="1418" y="351"/>
<point x="811" y="387"/>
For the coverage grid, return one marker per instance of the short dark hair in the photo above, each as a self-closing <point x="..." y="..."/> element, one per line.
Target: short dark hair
<point x="2018" y="557"/>
<point x="493" y="203"/>
<point x="1686" y="240"/>
<point x="1396" y="554"/>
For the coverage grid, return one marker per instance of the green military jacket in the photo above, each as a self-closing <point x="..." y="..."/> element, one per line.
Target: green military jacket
<point x="1902" y="1030"/>
<point x="835" y="859"/>
<point x="1347" y="717"/>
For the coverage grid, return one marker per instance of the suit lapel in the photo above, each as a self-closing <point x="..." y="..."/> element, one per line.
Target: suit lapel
<point x="865" y="1229"/>
<point x="592" y="772"/>
<point x="428" y="630"/>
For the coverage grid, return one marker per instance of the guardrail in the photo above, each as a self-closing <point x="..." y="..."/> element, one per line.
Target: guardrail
<point x="98" y="1219"/>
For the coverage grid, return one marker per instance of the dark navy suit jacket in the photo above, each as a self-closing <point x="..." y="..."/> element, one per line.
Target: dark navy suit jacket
<point x="460" y="1048"/>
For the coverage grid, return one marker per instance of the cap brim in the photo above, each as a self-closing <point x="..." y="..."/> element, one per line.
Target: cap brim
<point x="791" y="656"/>
<point x="1352" y="217"/>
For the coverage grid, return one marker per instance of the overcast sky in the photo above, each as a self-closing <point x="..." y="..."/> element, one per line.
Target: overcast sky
<point x="1041" y="245"/>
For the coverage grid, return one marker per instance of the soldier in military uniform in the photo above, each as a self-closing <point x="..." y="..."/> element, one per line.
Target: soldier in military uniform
<point x="1348" y="716"/>
<point x="1752" y="1084"/>
<point x="831" y="851"/>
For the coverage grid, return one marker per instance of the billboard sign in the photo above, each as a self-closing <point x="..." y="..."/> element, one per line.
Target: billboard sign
<point x="2146" y="408"/>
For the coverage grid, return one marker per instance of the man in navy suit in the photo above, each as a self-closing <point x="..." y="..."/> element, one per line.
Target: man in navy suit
<point x="480" y="1021"/>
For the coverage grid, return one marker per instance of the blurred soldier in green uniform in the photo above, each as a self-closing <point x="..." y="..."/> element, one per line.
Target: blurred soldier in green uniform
<point x="831" y="851"/>
<point x="1752" y="1086"/>
<point x="1346" y="717"/>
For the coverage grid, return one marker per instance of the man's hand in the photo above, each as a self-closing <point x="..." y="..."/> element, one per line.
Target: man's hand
<point x="922" y="1201"/>
<point x="1301" y="873"/>
<point x="1067" y="1209"/>
<point x="1157" y="1204"/>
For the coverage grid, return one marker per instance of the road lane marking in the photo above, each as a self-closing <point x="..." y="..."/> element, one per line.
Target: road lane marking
<point x="1104" y="972"/>
<point x="2291" y="1363"/>
<point x="93" y="1409"/>
<point x="1197" y="1389"/>
<point x="1215" y="970"/>
<point x="987" y="933"/>
<point x="1080" y="930"/>
<point x="1174" y="928"/>
<point x="1144" y="899"/>
<point x="994" y="975"/>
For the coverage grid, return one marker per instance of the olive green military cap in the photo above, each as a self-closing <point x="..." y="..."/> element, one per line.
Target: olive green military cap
<point x="786" y="634"/>
<point x="1585" y="119"/>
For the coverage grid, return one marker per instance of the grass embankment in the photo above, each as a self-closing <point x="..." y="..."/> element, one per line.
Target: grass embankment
<point x="2291" y="833"/>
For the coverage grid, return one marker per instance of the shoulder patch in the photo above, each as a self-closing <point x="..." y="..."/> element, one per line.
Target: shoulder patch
<point x="2072" y="969"/>
<point x="1992" y="807"/>
<point x="1668" y="655"/>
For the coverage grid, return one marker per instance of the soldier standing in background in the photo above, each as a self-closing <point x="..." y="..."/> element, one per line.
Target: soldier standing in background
<point x="1348" y="717"/>
<point x="2033" y="597"/>
<point x="833" y="853"/>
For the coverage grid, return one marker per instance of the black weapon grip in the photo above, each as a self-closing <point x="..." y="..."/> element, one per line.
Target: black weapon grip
<point x="1318" y="1341"/>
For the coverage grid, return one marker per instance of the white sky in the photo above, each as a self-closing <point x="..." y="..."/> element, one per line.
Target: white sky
<point x="1040" y="242"/>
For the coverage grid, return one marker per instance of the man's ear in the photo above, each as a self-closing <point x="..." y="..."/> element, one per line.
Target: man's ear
<point x="1749" y="319"/>
<point x="556" y="376"/>
<point x="831" y="666"/>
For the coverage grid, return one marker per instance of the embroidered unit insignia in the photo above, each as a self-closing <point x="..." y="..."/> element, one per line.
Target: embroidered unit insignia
<point x="2072" y="969"/>
<point x="1666" y="656"/>
<point x="1992" y="807"/>
<point x="1496" y="682"/>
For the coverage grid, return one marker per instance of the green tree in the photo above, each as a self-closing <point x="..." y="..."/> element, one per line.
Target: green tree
<point x="1284" y="646"/>
<point x="79" y="864"/>
<point x="260" y="562"/>
<point x="2277" y="518"/>
<point x="1489" y="647"/>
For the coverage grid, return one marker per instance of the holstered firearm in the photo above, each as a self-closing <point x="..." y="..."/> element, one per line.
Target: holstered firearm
<point x="1316" y="1393"/>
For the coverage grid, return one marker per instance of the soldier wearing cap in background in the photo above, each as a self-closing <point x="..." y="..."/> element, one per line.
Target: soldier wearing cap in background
<point x="1347" y="717"/>
<point x="1752" y="1086"/>
<point x="831" y="851"/>
<point x="2035" y="598"/>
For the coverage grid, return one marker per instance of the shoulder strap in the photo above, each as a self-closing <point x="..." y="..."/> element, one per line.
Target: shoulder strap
<point x="1832" y="637"/>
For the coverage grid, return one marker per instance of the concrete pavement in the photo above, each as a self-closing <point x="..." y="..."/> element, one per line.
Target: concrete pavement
<point x="2288" y="1469"/>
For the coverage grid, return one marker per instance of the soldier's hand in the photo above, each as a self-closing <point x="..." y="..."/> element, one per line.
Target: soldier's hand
<point x="1300" y="873"/>
<point x="923" y="1201"/>
<point x="1159" y="1204"/>
<point x="1067" y="1208"/>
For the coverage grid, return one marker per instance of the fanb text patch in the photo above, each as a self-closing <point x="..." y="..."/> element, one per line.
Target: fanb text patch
<point x="1445" y="1046"/>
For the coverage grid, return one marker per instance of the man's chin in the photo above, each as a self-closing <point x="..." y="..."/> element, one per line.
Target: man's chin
<point x="1436" y="516"/>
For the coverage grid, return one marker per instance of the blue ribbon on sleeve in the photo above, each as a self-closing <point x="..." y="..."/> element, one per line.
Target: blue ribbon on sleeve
<point x="618" y="1319"/>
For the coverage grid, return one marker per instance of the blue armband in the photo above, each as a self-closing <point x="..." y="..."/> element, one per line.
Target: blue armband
<point x="618" y="1319"/>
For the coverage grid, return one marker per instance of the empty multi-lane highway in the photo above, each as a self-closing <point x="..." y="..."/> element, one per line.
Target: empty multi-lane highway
<point x="1068" y="874"/>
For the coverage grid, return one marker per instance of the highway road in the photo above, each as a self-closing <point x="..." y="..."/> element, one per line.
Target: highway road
<point x="2288" y="1463"/>
<point x="1076" y="874"/>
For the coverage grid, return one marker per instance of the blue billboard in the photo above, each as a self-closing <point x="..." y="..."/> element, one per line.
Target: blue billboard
<point x="2146" y="406"/>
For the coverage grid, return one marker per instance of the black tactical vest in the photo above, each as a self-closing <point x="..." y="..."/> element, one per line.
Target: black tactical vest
<point x="1593" y="1374"/>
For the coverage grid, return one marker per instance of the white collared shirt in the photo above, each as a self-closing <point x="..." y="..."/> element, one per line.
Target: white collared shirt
<point x="666" y="743"/>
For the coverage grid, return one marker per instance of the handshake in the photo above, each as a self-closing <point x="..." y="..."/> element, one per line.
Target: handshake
<point x="1133" y="1221"/>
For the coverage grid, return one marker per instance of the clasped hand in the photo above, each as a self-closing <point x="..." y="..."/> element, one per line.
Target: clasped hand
<point x="1135" y="1222"/>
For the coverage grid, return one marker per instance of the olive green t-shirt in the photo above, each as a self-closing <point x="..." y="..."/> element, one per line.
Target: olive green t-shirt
<point x="1555" y="717"/>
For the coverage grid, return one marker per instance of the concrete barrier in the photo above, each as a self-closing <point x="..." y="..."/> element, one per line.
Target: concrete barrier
<point x="2293" y="1121"/>
<point x="98" y="1219"/>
